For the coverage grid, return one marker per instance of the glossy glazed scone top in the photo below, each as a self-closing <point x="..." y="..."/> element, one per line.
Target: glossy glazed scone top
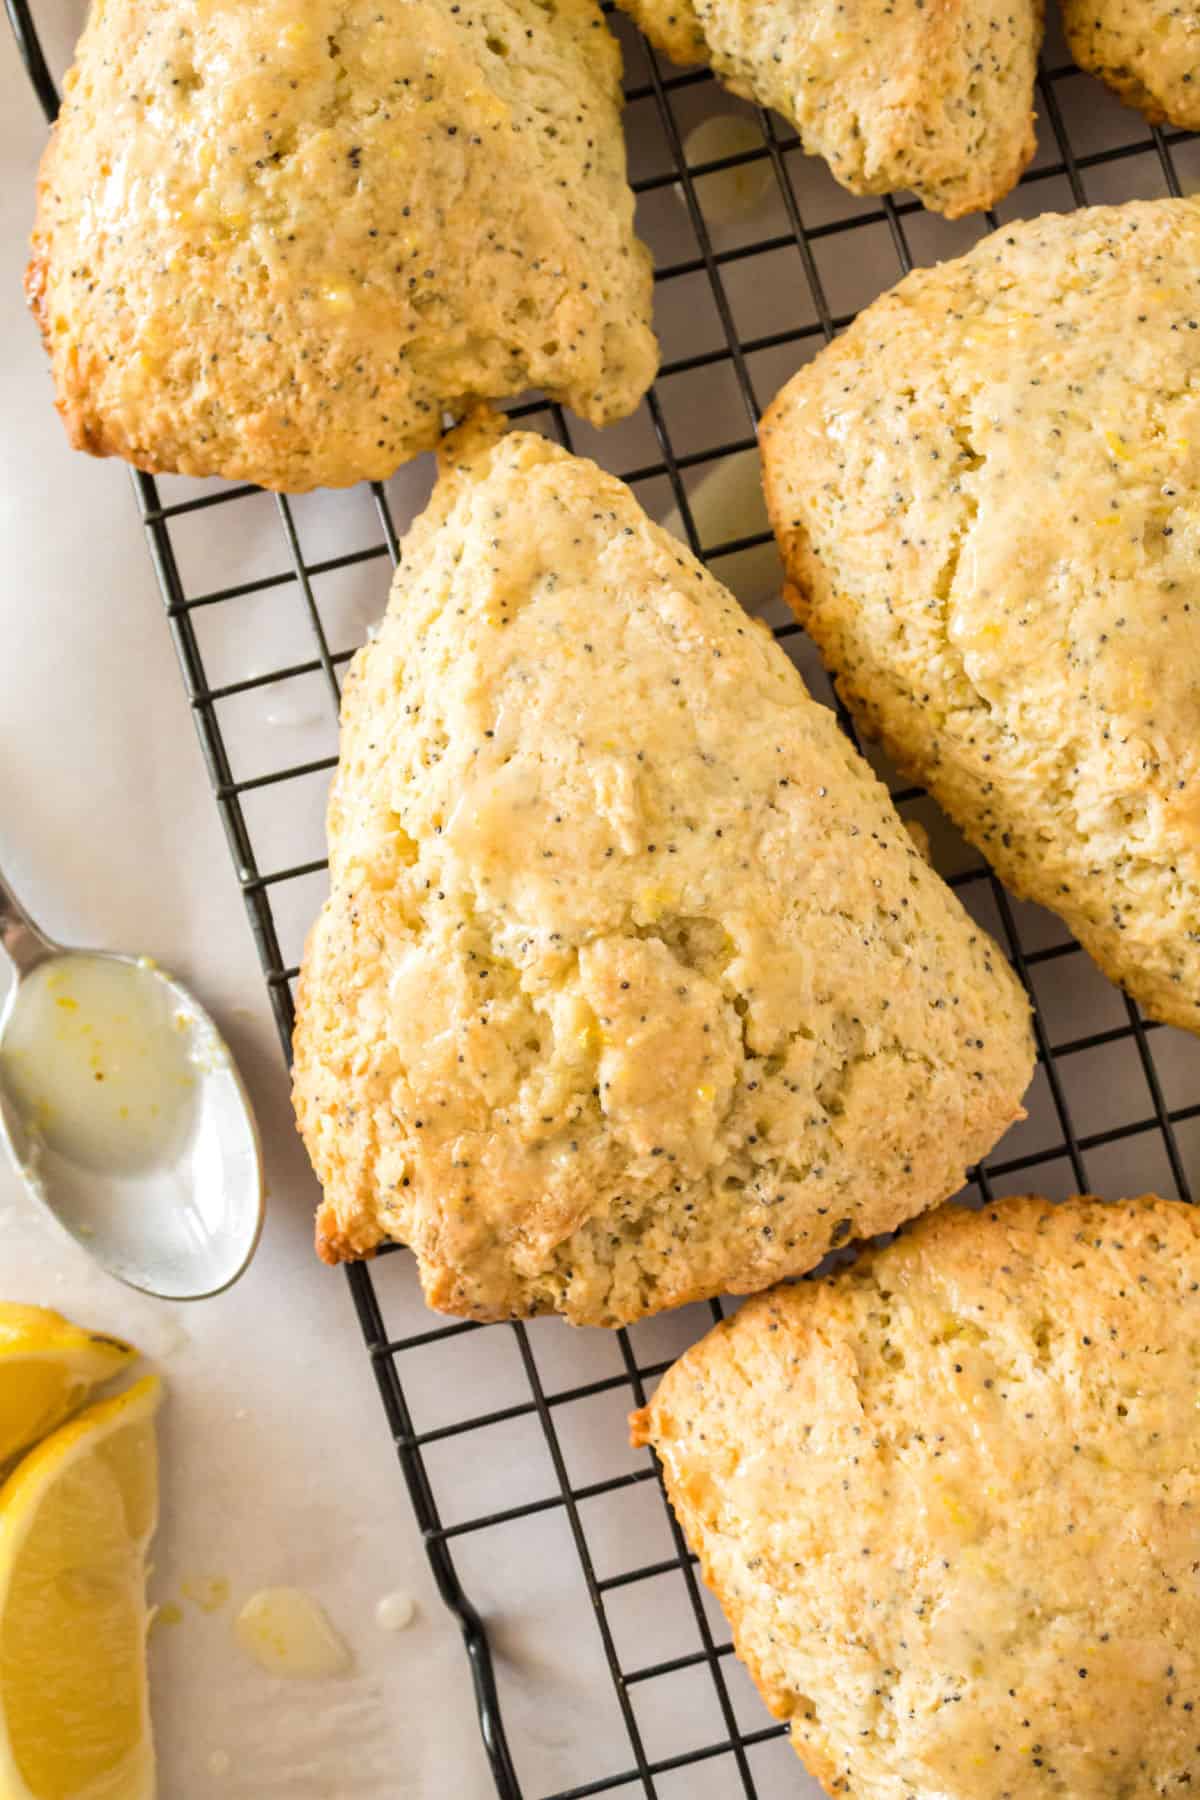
<point x="984" y="493"/>
<point x="936" y="96"/>
<point x="949" y="1500"/>
<point x="631" y="986"/>
<point x="276" y="242"/>
<point x="1148" y="51"/>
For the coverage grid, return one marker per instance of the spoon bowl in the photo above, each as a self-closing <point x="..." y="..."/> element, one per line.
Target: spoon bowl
<point x="126" y="1114"/>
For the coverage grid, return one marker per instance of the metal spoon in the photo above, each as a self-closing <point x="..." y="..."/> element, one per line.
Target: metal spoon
<point x="126" y="1115"/>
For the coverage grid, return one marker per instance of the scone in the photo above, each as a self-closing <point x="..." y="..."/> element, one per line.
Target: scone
<point x="949" y="1501"/>
<point x="984" y="494"/>
<point x="631" y="986"/>
<point x="1148" y="52"/>
<point x="278" y="242"/>
<point x="936" y="96"/>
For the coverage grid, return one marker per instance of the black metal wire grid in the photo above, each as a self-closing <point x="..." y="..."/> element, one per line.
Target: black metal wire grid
<point x="723" y="1747"/>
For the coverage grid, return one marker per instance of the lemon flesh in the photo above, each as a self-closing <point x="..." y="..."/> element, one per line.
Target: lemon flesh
<point x="75" y="1522"/>
<point x="48" y="1367"/>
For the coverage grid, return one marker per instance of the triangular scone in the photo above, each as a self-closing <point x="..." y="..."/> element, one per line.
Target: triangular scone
<point x="277" y="242"/>
<point x="984" y="493"/>
<point x="948" y="1500"/>
<point x="933" y="95"/>
<point x="631" y="986"/>
<point x="1148" y="51"/>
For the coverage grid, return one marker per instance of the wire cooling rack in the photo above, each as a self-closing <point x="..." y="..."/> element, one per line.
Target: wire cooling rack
<point x="512" y="1438"/>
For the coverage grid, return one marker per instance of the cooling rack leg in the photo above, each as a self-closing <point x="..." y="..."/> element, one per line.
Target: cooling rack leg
<point x="30" y="47"/>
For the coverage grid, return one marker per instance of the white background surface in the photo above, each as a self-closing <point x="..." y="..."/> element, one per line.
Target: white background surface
<point x="276" y="1458"/>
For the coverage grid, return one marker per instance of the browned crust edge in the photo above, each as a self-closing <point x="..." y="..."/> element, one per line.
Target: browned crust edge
<point x="812" y="1752"/>
<point x="335" y="1245"/>
<point x="1129" y="87"/>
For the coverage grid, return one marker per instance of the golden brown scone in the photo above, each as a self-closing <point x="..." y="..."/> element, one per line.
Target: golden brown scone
<point x="276" y="242"/>
<point x="1147" y="51"/>
<point x="933" y="95"/>
<point x="984" y="493"/>
<point x="631" y="986"/>
<point x="949" y="1501"/>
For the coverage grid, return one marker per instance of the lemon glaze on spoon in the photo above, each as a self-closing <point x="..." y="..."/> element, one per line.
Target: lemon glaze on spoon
<point x="99" y="1065"/>
<point x="126" y="1115"/>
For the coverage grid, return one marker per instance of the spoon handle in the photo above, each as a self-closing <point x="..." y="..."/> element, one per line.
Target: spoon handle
<point x="24" y="944"/>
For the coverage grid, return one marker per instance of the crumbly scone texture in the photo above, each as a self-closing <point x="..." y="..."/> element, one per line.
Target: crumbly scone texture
<point x="277" y="243"/>
<point x="984" y="497"/>
<point x="631" y="986"/>
<point x="949" y="1501"/>
<point x="933" y="95"/>
<point x="1147" y="51"/>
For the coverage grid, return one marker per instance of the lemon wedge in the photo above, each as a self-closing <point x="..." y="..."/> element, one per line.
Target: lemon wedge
<point x="75" y="1521"/>
<point x="48" y="1367"/>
